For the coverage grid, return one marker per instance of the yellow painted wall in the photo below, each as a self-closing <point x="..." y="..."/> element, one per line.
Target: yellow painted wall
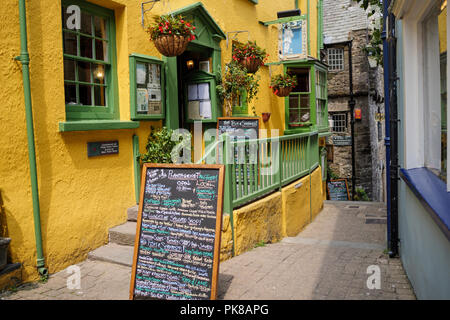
<point x="82" y="198"/>
<point x="282" y="214"/>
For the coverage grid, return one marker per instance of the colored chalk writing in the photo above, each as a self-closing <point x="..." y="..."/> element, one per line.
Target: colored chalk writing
<point x="176" y="250"/>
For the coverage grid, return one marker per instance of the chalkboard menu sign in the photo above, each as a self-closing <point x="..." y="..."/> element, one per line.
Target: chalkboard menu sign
<point x="177" y="246"/>
<point x="338" y="190"/>
<point x="239" y="128"/>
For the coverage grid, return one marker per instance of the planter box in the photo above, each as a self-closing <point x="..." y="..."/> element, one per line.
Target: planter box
<point x="4" y="243"/>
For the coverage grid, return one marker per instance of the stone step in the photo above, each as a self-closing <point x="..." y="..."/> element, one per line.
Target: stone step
<point x="133" y="213"/>
<point x="124" y="234"/>
<point x="113" y="253"/>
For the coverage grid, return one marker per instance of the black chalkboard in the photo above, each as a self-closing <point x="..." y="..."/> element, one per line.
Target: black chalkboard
<point x="239" y="128"/>
<point x="338" y="190"/>
<point x="177" y="245"/>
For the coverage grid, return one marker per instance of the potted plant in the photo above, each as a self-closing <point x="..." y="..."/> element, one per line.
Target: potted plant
<point x="234" y="82"/>
<point x="4" y="242"/>
<point x="282" y="85"/>
<point x="171" y="34"/>
<point x="249" y="55"/>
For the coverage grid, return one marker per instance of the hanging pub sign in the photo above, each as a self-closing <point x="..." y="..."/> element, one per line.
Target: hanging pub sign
<point x="358" y="114"/>
<point x="177" y="245"/>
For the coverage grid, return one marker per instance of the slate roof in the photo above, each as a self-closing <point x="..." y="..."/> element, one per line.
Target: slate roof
<point x="340" y="17"/>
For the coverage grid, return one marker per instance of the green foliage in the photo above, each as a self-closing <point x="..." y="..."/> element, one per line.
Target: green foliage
<point x="375" y="48"/>
<point x="331" y="175"/>
<point x="249" y="50"/>
<point x="262" y="243"/>
<point x="361" y="195"/>
<point x="160" y="146"/>
<point x="171" y="25"/>
<point x="283" y="81"/>
<point x="234" y="82"/>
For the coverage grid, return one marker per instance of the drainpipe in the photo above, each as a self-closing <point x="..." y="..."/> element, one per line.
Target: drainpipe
<point x="351" y="104"/>
<point x="24" y="58"/>
<point x="387" y="139"/>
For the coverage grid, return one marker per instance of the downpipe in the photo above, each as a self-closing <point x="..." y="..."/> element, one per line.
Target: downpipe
<point x="24" y="58"/>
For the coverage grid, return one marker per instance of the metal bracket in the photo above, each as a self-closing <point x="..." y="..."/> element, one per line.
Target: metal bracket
<point x="143" y="10"/>
<point x="235" y="35"/>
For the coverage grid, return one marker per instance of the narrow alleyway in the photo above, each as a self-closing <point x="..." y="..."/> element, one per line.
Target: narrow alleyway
<point x="329" y="259"/>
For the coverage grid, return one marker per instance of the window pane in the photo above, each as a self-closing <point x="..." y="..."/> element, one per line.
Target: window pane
<point x="304" y="101"/>
<point x="70" y="91"/>
<point x="100" y="96"/>
<point x="86" y="47"/>
<point x="86" y="23"/>
<point x="69" y="69"/>
<point x="85" y="95"/>
<point x="302" y="79"/>
<point x="84" y="71"/>
<point x="101" y="50"/>
<point x="293" y="102"/>
<point x="100" y="27"/>
<point x="294" y="116"/>
<point x="98" y="73"/>
<point x="70" y="43"/>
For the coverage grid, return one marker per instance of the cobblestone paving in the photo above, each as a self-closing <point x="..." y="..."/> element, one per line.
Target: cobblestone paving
<point x="329" y="259"/>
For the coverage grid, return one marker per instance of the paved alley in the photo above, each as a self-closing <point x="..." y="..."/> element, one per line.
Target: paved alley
<point x="329" y="259"/>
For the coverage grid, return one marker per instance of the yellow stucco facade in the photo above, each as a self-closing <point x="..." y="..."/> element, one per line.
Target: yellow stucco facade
<point x="81" y="197"/>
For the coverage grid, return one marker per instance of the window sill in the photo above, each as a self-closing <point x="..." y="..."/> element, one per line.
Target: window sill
<point x="88" y="125"/>
<point x="432" y="193"/>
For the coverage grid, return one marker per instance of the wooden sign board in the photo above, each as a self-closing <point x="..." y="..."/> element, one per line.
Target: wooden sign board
<point x="177" y="245"/>
<point x="338" y="190"/>
<point x="239" y="128"/>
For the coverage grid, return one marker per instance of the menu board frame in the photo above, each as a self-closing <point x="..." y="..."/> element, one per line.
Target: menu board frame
<point x="136" y="59"/>
<point x="218" y="228"/>
<point x="346" y="186"/>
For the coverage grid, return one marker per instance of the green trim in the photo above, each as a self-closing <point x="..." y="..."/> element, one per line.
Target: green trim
<point x="87" y="125"/>
<point x="111" y="111"/>
<point x="134" y="59"/>
<point x="309" y="32"/>
<point x="284" y="20"/>
<point x="202" y="77"/>
<point x="24" y="58"/>
<point x="137" y="168"/>
<point x="201" y="11"/>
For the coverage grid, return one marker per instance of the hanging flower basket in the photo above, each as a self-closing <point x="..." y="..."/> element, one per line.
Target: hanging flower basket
<point x="171" y="34"/>
<point x="252" y="65"/>
<point x="249" y="55"/>
<point x="172" y="45"/>
<point x="282" y="92"/>
<point x="282" y="85"/>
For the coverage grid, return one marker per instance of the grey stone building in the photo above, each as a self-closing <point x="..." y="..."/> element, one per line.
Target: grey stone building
<point x="345" y="21"/>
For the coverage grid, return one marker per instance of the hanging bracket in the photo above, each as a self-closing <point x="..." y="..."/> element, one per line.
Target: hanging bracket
<point x="143" y="10"/>
<point x="236" y="34"/>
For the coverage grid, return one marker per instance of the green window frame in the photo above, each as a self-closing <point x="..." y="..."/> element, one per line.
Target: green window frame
<point x="90" y="66"/>
<point x="299" y="103"/>
<point x="198" y="78"/>
<point x="321" y="98"/>
<point x="135" y="60"/>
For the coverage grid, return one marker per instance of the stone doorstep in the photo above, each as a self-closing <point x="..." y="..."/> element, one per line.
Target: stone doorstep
<point x="123" y="234"/>
<point x="113" y="253"/>
<point x="132" y="213"/>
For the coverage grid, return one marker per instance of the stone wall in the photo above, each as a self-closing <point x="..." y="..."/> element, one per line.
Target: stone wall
<point x="368" y="91"/>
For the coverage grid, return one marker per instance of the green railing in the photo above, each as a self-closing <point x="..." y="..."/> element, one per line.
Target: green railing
<point x="255" y="168"/>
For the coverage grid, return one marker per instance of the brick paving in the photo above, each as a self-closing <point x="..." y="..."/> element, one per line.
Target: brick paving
<point x="327" y="260"/>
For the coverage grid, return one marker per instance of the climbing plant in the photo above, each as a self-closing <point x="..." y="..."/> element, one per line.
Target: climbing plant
<point x="374" y="9"/>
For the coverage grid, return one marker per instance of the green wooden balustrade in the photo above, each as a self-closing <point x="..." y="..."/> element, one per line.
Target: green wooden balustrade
<point x="255" y="168"/>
